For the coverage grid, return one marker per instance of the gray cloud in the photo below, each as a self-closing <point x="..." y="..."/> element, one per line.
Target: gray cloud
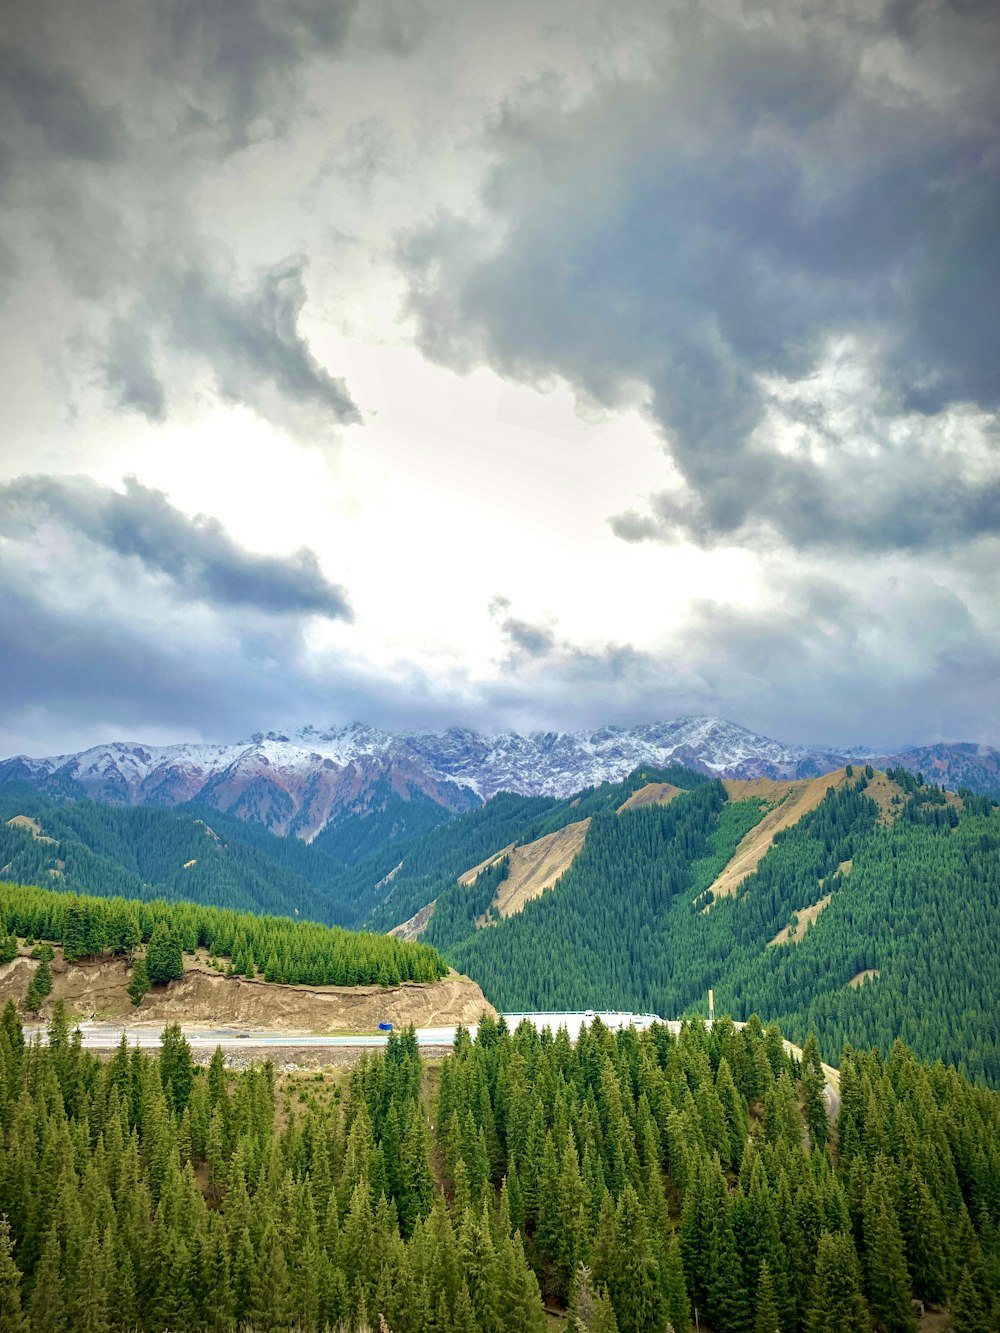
<point x="151" y="97"/>
<point x="129" y="372"/>
<point x="522" y="637"/>
<point x="248" y="337"/>
<point x="196" y="554"/>
<point x="715" y="230"/>
<point x="114" y="657"/>
<point x="67" y="667"/>
<point x="221" y="73"/>
<point x="819" y="663"/>
<point x="52" y="101"/>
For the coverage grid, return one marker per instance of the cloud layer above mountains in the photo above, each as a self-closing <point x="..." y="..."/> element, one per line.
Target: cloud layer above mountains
<point x="535" y="363"/>
<point x="786" y="196"/>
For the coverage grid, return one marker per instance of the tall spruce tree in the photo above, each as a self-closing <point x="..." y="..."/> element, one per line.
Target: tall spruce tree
<point x="12" y="1317"/>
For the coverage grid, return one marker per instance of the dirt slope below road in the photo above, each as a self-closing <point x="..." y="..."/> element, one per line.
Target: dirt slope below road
<point x="98" y="990"/>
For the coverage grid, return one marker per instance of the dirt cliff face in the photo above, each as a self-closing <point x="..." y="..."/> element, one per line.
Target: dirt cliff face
<point x="98" y="990"/>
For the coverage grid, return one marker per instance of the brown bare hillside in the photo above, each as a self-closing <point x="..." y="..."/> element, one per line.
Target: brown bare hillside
<point x="792" y="934"/>
<point x="654" y="793"/>
<point x="866" y="974"/>
<point x="31" y="825"/>
<point x="98" y="990"/>
<point x="471" y="875"/>
<point x="883" y="792"/>
<point x="536" y="867"/>
<point x="789" y="802"/>
<point x="417" y="924"/>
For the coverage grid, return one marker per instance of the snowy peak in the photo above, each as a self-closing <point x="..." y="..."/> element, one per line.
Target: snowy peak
<point x="300" y="781"/>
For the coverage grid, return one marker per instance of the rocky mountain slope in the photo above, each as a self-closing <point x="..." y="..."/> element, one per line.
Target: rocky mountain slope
<point x="314" y="779"/>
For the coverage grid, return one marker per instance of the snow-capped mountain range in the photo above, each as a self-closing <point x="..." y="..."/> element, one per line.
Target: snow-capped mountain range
<point x="300" y="781"/>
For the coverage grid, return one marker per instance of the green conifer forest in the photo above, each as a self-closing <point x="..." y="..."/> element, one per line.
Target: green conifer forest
<point x="636" y="1182"/>
<point x="279" y="948"/>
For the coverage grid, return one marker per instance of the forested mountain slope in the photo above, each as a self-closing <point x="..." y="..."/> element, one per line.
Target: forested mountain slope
<point x="903" y="891"/>
<point x="146" y="852"/>
<point x="436" y="862"/>
<point x="639" y="1180"/>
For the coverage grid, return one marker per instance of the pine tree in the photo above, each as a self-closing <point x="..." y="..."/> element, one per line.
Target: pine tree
<point x="46" y="1306"/>
<point x="837" y="1305"/>
<point x="176" y="1067"/>
<point x="75" y="932"/>
<point x="766" y="1320"/>
<point x="90" y="1301"/>
<point x="675" y="1296"/>
<point x="138" y="982"/>
<point x="888" y="1278"/>
<point x="164" y="961"/>
<point x="12" y="1317"/>
<point x="632" y="1274"/>
<point x="813" y="1085"/>
<point x="39" y="986"/>
<point x="969" y="1311"/>
<point x="270" y="1299"/>
<point x="590" y="1312"/>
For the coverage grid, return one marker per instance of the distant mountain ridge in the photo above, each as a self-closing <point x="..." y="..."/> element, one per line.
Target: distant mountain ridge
<point x="313" y="779"/>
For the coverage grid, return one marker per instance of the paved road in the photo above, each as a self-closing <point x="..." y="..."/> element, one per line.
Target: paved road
<point x="106" y="1036"/>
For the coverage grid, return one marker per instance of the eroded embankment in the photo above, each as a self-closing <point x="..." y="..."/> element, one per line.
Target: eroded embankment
<point x="99" y="990"/>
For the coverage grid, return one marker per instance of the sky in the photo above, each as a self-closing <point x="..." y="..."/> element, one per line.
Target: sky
<point x="499" y="363"/>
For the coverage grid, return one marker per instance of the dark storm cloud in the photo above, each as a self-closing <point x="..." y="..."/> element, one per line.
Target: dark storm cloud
<point x="196" y="554"/>
<point x="127" y="663"/>
<point x="52" y="101"/>
<point x="777" y="188"/>
<point x="249" y="338"/>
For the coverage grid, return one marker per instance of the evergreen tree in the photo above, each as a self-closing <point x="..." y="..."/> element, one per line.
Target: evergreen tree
<point x="75" y="932"/>
<point x="163" y="956"/>
<point x="12" y="1317"/>
<point x="888" y="1278"/>
<point x="270" y="1307"/>
<point x="176" y="1067"/>
<point x="139" y="982"/>
<point x="766" y="1320"/>
<point x="837" y="1305"/>
<point x="46" y="1306"/>
<point x="813" y="1084"/>
<point x="39" y="986"/>
<point x="969" y="1311"/>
